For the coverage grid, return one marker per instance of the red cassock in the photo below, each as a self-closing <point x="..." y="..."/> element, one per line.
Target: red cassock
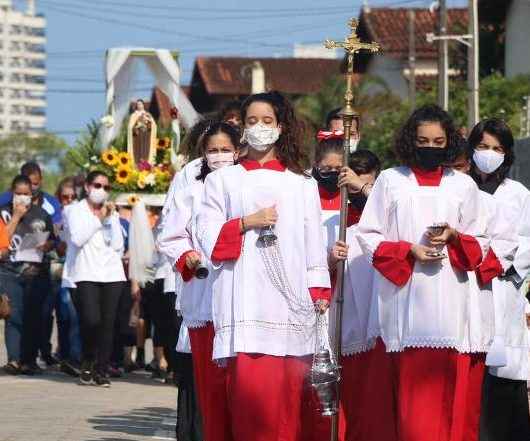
<point x="436" y="390"/>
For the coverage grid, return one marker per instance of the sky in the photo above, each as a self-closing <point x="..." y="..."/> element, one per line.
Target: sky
<point x="79" y="32"/>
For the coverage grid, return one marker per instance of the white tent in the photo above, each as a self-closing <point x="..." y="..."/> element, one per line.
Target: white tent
<point x="122" y="66"/>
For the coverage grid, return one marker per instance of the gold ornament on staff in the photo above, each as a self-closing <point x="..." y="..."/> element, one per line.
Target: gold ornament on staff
<point x="352" y="45"/>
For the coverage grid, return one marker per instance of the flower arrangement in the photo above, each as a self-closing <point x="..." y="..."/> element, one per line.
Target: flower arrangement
<point x="125" y="175"/>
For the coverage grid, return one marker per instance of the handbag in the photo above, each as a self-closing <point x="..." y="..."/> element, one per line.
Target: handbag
<point x="5" y="307"/>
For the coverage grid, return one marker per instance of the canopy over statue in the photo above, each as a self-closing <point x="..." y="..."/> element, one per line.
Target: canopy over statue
<point x="122" y="65"/>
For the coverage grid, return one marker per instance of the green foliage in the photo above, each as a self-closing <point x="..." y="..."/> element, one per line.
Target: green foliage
<point x="383" y="113"/>
<point x="46" y="149"/>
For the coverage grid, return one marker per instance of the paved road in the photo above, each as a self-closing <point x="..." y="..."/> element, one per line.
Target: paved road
<point x="53" y="407"/>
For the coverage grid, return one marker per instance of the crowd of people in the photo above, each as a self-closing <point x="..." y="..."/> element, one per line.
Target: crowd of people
<point x="435" y="329"/>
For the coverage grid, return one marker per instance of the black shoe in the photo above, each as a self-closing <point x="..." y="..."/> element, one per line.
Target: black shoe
<point x="69" y="369"/>
<point x="151" y="367"/>
<point x="85" y="377"/>
<point x="30" y="369"/>
<point x="131" y="367"/>
<point x="12" y="368"/>
<point x="140" y="358"/>
<point x="101" y="380"/>
<point x="159" y="375"/>
<point x="50" y="360"/>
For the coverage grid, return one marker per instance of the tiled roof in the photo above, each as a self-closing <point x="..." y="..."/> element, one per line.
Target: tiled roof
<point x="390" y="28"/>
<point x="232" y="75"/>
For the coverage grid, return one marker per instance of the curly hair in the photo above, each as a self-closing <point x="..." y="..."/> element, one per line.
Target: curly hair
<point x="189" y="145"/>
<point x="216" y="128"/>
<point x="405" y="140"/>
<point x="289" y="145"/>
<point x="499" y="129"/>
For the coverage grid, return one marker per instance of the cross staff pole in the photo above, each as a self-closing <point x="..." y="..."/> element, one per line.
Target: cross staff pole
<point x="351" y="45"/>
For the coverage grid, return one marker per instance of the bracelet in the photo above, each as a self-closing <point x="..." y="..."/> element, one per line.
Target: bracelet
<point x="362" y="188"/>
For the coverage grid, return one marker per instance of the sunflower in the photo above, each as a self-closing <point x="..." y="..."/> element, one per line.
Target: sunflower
<point x="124" y="159"/>
<point x="132" y="200"/>
<point x="123" y="175"/>
<point x="163" y="143"/>
<point x="110" y="157"/>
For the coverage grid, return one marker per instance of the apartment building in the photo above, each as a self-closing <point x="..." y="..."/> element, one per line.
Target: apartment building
<point x="22" y="69"/>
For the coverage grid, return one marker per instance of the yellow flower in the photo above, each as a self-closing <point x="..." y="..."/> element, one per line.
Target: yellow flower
<point x="110" y="157"/>
<point x="141" y="183"/>
<point x="124" y="159"/>
<point x="163" y="143"/>
<point x="123" y="175"/>
<point x="132" y="200"/>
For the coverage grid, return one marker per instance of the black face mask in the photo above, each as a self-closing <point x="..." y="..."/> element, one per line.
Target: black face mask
<point x="328" y="180"/>
<point x="358" y="200"/>
<point x="430" y="158"/>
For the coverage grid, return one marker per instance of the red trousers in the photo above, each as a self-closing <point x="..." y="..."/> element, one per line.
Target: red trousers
<point x="265" y="397"/>
<point x="438" y="394"/>
<point x="368" y="395"/>
<point x="210" y="381"/>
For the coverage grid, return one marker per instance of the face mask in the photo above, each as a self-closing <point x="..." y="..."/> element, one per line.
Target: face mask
<point x="328" y="180"/>
<point x="260" y="137"/>
<point x="487" y="161"/>
<point x="21" y="199"/>
<point x="358" y="200"/>
<point x="219" y="160"/>
<point x="430" y="158"/>
<point x="98" y="196"/>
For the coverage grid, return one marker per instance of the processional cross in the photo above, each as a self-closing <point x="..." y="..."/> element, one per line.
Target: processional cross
<point x="351" y="45"/>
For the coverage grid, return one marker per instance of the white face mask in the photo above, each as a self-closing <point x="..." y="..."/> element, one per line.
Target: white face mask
<point x="21" y="199"/>
<point x="219" y="160"/>
<point x="488" y="161"/>
<point x="260" y="137"/>
<point x="98" y="196"/>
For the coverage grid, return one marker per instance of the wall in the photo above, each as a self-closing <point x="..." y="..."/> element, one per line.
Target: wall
<point x="517" y="37"/>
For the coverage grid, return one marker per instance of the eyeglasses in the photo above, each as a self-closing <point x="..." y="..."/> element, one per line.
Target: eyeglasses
<point x="68" y="197"/>
<point x="97" y="186"/>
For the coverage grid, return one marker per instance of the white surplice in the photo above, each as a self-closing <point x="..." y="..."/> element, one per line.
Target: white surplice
<point x="515" y="199"/>
<point x="250" y="314"/>
<point x="431" y="309"/>
<point x="178" y="237"/>
<point x="359" y="308"/>
<point x="483" y="326"/>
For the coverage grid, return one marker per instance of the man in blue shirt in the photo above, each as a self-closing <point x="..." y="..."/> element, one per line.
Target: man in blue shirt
<point x="47" y="202"/>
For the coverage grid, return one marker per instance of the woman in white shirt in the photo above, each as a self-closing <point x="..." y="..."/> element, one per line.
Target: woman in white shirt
<point x="96" y="244"/>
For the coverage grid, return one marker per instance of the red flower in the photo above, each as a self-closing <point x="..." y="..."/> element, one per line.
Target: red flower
<point x="174" y="113"/>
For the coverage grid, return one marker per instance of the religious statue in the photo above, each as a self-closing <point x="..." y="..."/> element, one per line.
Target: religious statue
<point x="141" y="135"/>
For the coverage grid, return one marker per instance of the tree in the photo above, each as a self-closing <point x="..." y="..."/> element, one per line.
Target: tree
<point x="47" y="149"/>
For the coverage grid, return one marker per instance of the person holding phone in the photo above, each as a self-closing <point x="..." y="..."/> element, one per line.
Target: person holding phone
<point x="96" y="243"/>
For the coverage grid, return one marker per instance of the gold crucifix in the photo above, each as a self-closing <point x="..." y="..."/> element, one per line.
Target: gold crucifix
<point x="351" y="45"/>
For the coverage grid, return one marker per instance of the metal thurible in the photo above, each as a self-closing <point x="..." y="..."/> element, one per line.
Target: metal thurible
<point x="325" y="373"/>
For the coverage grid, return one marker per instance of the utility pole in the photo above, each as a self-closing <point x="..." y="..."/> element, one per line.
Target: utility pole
<point x="412" y="59"/>
<point x="473" y="65"/>
<point x="443" y="57"/>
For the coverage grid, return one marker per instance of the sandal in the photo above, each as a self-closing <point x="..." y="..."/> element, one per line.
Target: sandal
<point x="12" y="368"/>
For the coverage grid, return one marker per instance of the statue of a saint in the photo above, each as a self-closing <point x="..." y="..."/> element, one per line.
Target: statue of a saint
<point x="141" y="135"/>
